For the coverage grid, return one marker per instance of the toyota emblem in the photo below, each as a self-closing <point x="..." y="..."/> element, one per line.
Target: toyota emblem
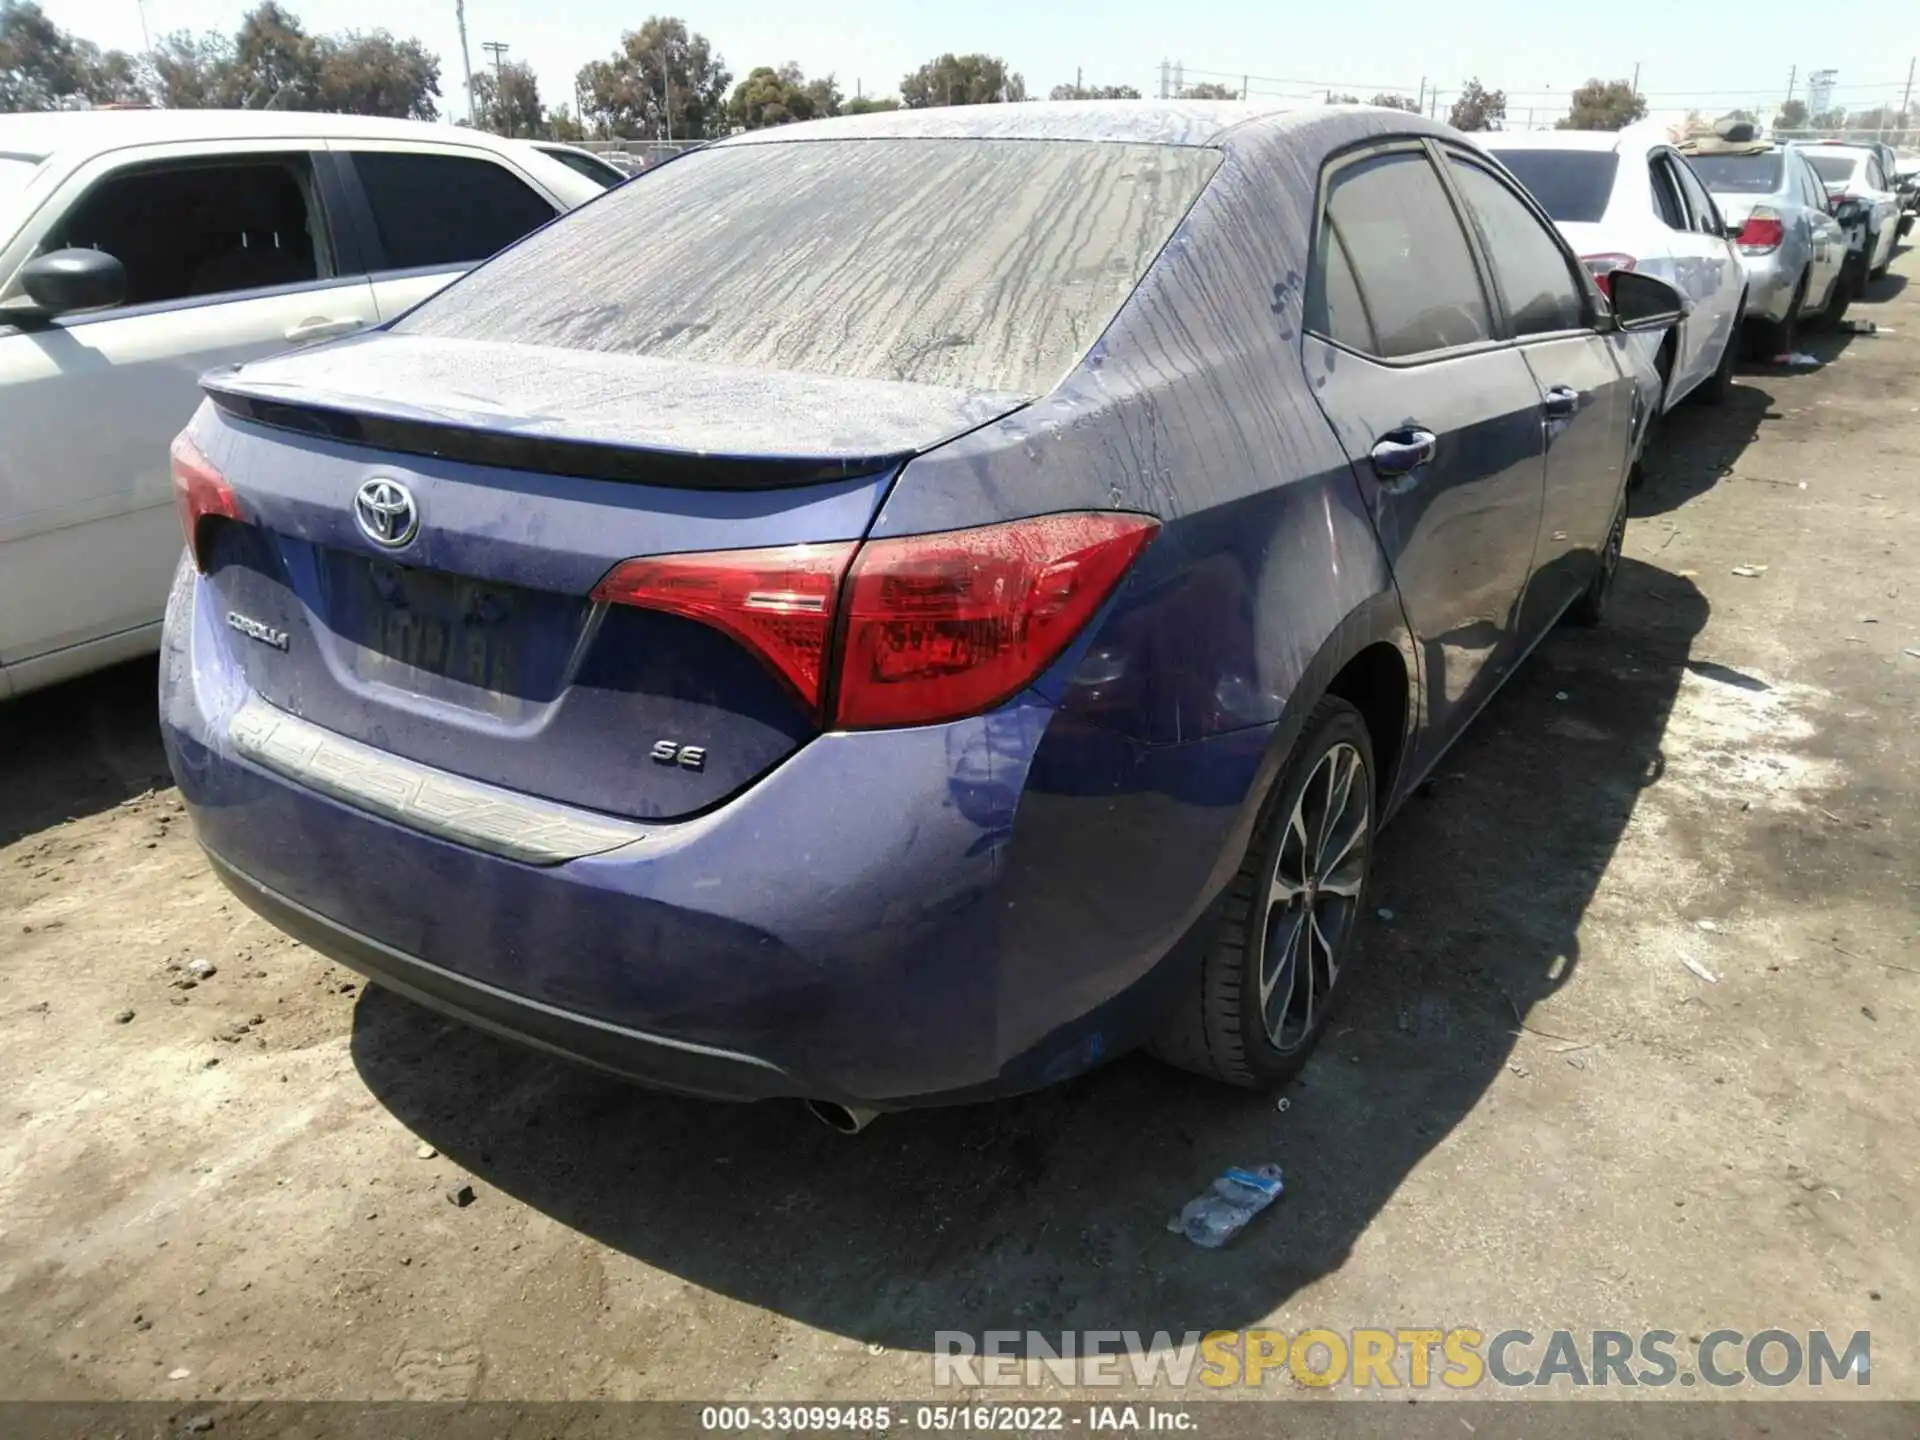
<point x="386" y="513"/>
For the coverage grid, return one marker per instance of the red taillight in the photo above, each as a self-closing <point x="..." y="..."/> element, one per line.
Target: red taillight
<point x="199" y="490"/>
<point x="1762" y="232"/>
<point x="941" y="626"/>
<point x="1601" y="268"/>
<point x="779" y="603"/>
<point x="930" y="627"/>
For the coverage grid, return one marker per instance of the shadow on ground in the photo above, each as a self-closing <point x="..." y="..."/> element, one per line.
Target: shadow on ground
<point x="79" y="748"/>
<point x="1048" y="1212"/>
<point x="1696" y="446"/>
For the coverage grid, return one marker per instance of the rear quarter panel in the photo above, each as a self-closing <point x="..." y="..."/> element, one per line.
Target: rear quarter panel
<point x="1173" y="715"/>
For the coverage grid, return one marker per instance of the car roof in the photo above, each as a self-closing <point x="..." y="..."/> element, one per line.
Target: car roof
<point x="1221" y="123"/>
<point x="1555" y="139"/>
<point x="89" y="131"/>
<point x="1839" y="147"/>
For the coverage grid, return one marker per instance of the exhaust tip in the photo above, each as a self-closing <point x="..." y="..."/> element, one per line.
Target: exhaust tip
<point x="847" y="1119"/>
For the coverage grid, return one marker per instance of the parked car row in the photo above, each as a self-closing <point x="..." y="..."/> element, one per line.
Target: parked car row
<point x="137" y="250"/>
<point x="1759" y="236"/>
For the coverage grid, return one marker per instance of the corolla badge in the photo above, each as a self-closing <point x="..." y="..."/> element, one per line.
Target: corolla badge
<point x="386" y="514"/>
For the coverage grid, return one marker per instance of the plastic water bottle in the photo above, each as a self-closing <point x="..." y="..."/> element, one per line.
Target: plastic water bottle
<point x="1212" y="1219"/>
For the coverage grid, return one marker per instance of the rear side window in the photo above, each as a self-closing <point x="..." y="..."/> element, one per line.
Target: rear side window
<point x="1532" y="271"/>
<point x="1667" y="203"/>
<point x="1572" y="186"/>
<point x="975" y="264"/>
<point x="1740" y="174"/>
<point x="583" y="164"/>
<point x="445" y="209"/>
<point x="1705" y="216"/>
<point x="1409" y="258"/>
<point x="1833" y="169"/>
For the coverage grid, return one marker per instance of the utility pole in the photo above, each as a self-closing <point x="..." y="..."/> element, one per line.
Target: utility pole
<point x="1078" y="76"/>
<point x="466" y="62"/>
<point x="1793" y="74"/>
<point x="1636" y="79"/>
<point x="1420" y="101"/>
<point x="1243" y="86"/>
<point x="496" y="49"/>
<point x="1907" y="94"/>
<point x="1163" y="80"/>
<point x="1179" y="79"/>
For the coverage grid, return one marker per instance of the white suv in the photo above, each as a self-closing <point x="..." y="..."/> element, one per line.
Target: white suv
<point x="139" y="249"/>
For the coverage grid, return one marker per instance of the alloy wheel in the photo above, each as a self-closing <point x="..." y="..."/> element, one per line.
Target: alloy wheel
<point x="1313" y="897"/>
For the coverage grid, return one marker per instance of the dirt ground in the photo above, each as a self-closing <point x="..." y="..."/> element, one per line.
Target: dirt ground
<point x="1683" y="849"/>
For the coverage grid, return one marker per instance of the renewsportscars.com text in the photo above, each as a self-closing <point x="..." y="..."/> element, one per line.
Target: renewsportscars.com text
<point x="1460" y="1358"/>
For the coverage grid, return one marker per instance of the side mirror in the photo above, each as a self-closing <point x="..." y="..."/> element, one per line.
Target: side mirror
<point x="63" y="281"/>
<point x="1641" y="302"/>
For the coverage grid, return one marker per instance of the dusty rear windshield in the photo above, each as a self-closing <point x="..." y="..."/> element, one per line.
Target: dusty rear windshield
<point x="1834" y="169"/>
<point x="1739" y="174"/>
<point x="1572" y="186"/>
<point x="975" y="264"/>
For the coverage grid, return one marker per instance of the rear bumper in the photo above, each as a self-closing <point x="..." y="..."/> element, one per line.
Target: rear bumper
<point x="631" y="1054"/>
<point x="887" y="919"/>
<point x="1770" y="286"/>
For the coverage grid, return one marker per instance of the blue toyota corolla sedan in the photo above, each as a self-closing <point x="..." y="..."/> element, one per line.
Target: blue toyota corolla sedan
<point x="902" y="609"/>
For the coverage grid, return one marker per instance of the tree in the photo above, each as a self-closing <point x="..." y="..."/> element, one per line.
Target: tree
<point x="275" y="63"/>
<point x="664" y="81"/>
<point x="1603" y="105"/>
<point x="867" y="104"/>
<point x="561" y="124"/>
<point x="189" y="70"/>
<point x="1830" y="120"/>
<point x="1793" y="116"/>
<point x="1479" y="108"/>
<point x="962" y="80"/>
<point x="777" y="97"/>
<point x="1333" y="99"/>
<point x="1396" y="102"/>
<point x="1209" y="90"/>
<point x="42" y="67"/>
<point x="378" y="75"/>
<point x="1093" y="92"/>
<point x="508" y="103"/>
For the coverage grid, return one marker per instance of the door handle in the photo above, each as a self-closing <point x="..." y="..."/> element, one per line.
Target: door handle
<point x="1560" y="402"/>
<point x="1400" y="452"/>
<point x="322" y="327"/>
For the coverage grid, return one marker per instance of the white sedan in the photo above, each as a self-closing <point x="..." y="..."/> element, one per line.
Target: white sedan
<point x="1628" y="200"/>
<point x="1863" y="198"/>
<point x="139" y="249"/>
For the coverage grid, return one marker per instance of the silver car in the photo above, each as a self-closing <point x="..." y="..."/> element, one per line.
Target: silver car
<point x="1792" y="249"/>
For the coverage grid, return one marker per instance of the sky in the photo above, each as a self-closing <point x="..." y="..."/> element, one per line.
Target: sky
<point x="1690" y="56"/>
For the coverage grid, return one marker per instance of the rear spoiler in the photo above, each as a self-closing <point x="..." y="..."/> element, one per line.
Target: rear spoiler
<point x="597" y="416"/>
<point x="547" y="455"/>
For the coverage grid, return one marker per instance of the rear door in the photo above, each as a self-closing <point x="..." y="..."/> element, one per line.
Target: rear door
<point x="1700" y="270"/>
<point x="1588" y="398"/>
<point x="230" y="254"/>
<point x="430" y="215"/>
<point x="1440" y="418"/>
<point x="1719" y="256"/>
<point x="1829" y="240"/>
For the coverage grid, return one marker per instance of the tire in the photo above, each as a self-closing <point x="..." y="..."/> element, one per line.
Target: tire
<point x="1839" y="300"/>
<point x="1219" y="1029"/>
<point x="1715" y="387"/>
<point x="1767" y="338"/>
<point x="1590" y="607"/>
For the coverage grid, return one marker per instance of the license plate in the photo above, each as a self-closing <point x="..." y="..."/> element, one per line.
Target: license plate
<point x="445" y="625"/>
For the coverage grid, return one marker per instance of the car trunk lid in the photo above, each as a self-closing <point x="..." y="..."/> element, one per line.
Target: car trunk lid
<point x="465" y="635"/>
